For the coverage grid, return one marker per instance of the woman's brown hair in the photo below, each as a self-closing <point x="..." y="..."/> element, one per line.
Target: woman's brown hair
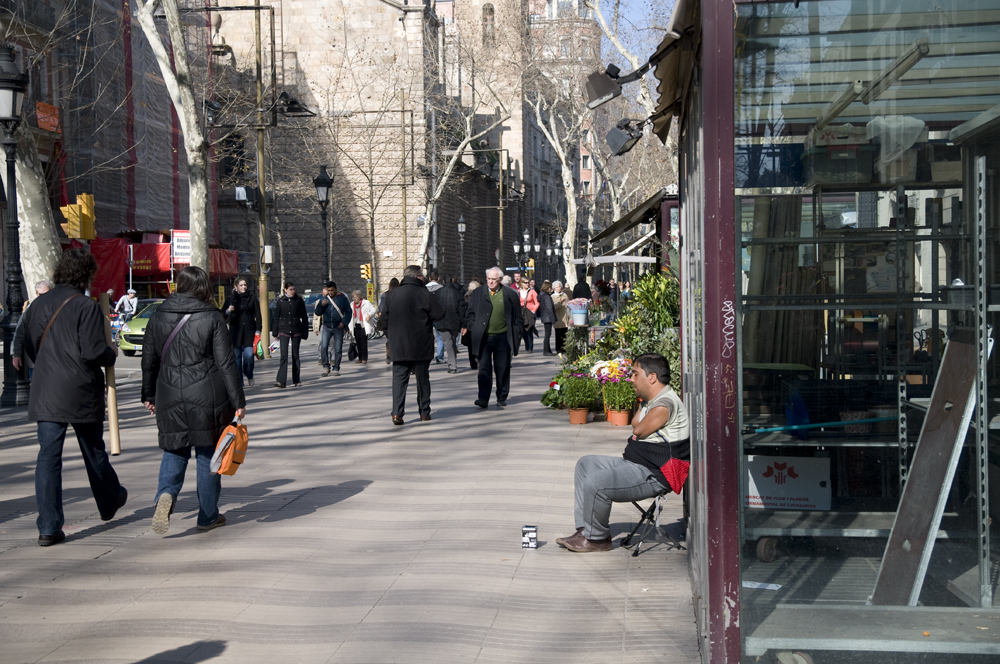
<point x="194" y="281"/>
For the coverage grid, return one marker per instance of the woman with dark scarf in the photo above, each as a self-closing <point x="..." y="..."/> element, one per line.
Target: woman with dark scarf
<point x="242" y="312"/>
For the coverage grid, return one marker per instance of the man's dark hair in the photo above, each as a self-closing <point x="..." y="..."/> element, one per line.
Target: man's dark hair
<point x="76" y="268"/>
<point x="288" y="285"/>
<point x="194" y="281"/>
<point x="435" y="276"/>
<point x="413" y="271"/>
<point x="654" y="363"/>
<point x="454" y="280"/>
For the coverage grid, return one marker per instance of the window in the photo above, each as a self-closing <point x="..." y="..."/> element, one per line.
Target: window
<point x="565" y="48"/>
<point x="585" y="187"/>
<point x="489" y="37"/>
<point x="585" y="162"/>
<point x="550" y="9"/>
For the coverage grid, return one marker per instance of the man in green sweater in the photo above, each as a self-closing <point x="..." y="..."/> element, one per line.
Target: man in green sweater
<point x="494" y="321"/>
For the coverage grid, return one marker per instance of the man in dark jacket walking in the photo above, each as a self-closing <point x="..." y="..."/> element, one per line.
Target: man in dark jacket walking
<point x="494" y="322"/>
<point x="452" y="300"/>
<point x="64" y="337"/>
<point x="290" y="325"/>
<point x="411" y="310"/>
<point x="242" y="312"/>
<point x="335" y="310"/>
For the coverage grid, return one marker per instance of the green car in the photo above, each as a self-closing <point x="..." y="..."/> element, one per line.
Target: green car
<point x="130" y="339"/>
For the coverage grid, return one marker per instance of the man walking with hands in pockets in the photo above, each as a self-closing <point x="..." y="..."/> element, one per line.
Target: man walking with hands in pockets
<point x="494" y="323"/>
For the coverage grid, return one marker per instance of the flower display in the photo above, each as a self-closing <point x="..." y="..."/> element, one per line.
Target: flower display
<point x="615" y="370"/>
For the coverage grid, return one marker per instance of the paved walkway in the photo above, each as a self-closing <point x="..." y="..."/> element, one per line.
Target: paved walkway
<point x="349" y="540"/>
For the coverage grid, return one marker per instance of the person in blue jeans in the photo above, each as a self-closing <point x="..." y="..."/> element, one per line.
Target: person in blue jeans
<point x="64" y="337"/>
<point x="242" y="312"/>
<point x="335" y="309"/>
<point x="190" y="383"/>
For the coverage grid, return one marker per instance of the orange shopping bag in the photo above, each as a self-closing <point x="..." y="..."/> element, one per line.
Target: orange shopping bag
<point x="231" y="449"/>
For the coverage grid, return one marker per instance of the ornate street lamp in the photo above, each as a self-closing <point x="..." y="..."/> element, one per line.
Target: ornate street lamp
<point x="323" y="182"/>
<point x="461" y="244"/>
<point x="13" y="85"/>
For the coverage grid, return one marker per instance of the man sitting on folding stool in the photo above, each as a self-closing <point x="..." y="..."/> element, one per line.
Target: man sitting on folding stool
<point x="654" y="462"/>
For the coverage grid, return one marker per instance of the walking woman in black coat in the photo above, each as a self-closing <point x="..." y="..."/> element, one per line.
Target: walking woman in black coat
<point x="242" y="311"/>
<point x="290" y="326"/>
<point x="546" y="314"/>
<point x="189" y="381"/>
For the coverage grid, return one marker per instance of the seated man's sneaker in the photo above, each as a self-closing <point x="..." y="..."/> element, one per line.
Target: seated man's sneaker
<point x="561" y="541"/>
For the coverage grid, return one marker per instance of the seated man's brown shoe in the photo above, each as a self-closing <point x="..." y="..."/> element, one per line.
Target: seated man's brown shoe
<point x="561" y="541"/>
<point x="580" y="544"/>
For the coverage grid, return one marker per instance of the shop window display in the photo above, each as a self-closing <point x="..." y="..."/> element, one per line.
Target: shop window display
<point x="866" y="148"/>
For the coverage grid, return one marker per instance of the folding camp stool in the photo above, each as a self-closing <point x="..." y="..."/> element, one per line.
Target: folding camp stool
<point x="651" y="518"/>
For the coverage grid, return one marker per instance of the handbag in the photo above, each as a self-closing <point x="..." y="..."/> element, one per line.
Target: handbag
<point x="529" y="317"/>
<point x="352" y="351"/>
<point x="317" y="323"/>
<point x="231" y="449"/>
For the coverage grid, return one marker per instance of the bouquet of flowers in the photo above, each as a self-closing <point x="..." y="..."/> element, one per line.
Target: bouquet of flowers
<point x="615" y="370"/>
<point x="613" y="375"/>
<point x="578" y="304"/>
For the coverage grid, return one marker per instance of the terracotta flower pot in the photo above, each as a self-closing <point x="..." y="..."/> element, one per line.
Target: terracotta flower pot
<point x="578" y="415"/>
<point x="619" y="418"/>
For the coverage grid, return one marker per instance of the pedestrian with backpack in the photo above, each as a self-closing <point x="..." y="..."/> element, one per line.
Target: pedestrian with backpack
<point x="190" y="383"/>
<point x="64" y="338"/>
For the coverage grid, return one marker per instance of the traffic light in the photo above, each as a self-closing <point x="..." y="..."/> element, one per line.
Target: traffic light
<point x="80" y="218"/>
<point x="366" y="271"/>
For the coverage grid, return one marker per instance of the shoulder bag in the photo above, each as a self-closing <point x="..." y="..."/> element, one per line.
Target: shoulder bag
<point x="173" y="335"/>
<point x="53" y="319"/>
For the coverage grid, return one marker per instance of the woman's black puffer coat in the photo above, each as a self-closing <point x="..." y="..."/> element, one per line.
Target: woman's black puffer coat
<point x="195" y="386"/>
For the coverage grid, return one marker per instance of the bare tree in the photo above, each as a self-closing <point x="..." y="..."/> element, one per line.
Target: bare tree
<point x="176" y="72"/>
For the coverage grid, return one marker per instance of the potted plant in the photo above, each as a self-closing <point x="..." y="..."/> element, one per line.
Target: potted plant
<point x="619" y="394"/>
<point x="619" y="400"/>
<point x="578" y="393"/>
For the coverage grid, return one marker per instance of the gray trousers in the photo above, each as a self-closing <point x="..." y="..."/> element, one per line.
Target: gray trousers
<point x="450" y="347"/>
<point x="602" y="480"/>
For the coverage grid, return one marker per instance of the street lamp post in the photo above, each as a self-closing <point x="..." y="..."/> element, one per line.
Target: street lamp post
<point x="461" y="248"/>
<point x="12" y="87"/>
<point x="323" y="182"/>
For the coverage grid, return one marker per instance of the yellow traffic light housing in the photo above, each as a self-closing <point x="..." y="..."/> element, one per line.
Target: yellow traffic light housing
<point x="80" y="218"/>
<point x="366" y="271"/>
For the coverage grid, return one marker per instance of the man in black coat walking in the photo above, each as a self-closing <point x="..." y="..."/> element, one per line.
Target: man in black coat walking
<point x="290" y="325"/>
<point x="64" y="337"/>
<point x="452" y="300"/>
<point x="494" y="322"/>
<point x="411" y="310"/>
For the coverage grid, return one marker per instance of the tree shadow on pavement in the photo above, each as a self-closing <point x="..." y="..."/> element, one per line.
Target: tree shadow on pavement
<point x="201" y="651"/>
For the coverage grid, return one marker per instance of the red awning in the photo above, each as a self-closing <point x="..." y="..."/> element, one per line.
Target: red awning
<point x="112" y="267"/>
<point x="150" y="260"/>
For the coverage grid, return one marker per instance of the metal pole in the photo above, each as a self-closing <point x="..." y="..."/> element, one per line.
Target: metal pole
<point x="500" y="206"/>
<point x="15" y="385"/>
<point x="265" y="313"/>
<point x="402" y="172"/>
<point x="461" y="257"/>
<point x="326" y="240"/>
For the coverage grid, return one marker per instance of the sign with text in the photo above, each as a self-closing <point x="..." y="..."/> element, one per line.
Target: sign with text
<point x="787" y="483"/>
<point x="181" y="246"/>
<point x="47" y="116"/>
